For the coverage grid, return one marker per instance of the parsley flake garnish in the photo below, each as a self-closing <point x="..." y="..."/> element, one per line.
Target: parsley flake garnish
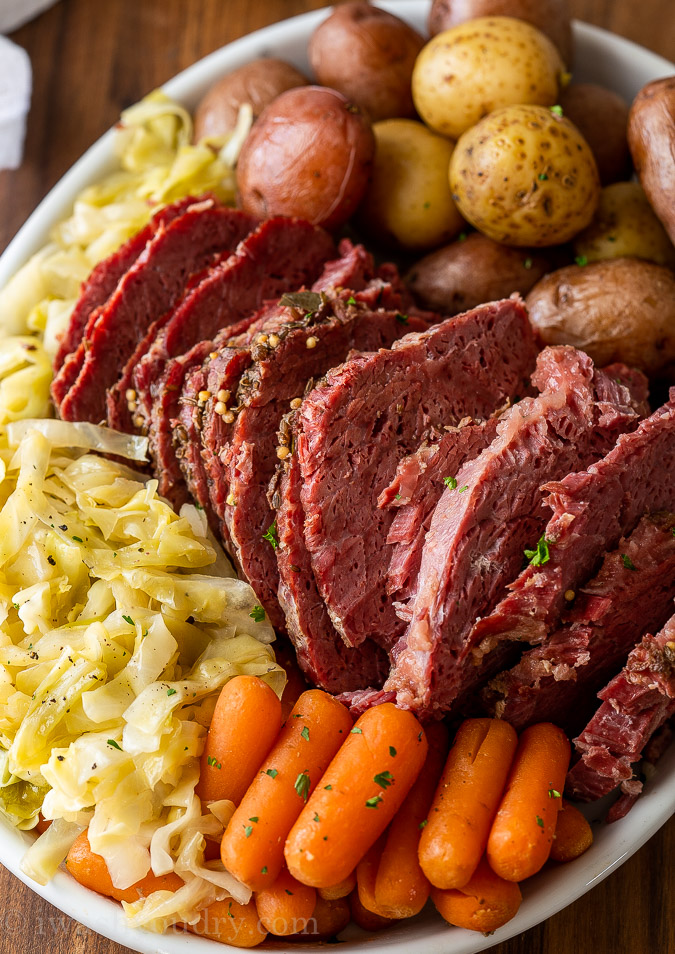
<point x="257" y="614"/>
<point x="528" y="263"/>
<point x="171" y="692"/>
<point x="356" y="731"/>
<point x="351" y="300"/>
<point x="374" y="801"/>
<point x="450" y="482"/>
<point x="540" y="821"/>
<point x="403" y="319"/>
<point x="423" y="824"/>
<point x="253" y="818"/>
<point x="288" y="892"/>
<point x="305" y="733"/>
<point x="212" y="760"/>
<point x="383" y="779"/>
<point x="627" y="562"/>
<point x="462" y="489"/>
<point x="272" y="773"/>
<point x="302" y="785"/>
<point x="316" y="818"/>
<point x="461" y="237"/>
<point x="328" y="788"/>
<point x="271" y="535"/>
<point x="557" y="110"/>
<point x="542" y="177"/>
<point x="581" y="260"/>
<point x="129" y="620"/>
<point x="248" y="831"/>
<point x="540" y="554"/>
<point x="77" y="539"/>
<point x="392" y="751"/>
<point x="552" y="793"/>
<point x="398" y="496"/>
<point x="114" y="745"/>
<point x="263" y="870"/>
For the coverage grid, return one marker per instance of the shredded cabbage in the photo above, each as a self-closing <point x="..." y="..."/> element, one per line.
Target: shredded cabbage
<point x="116" y="639"/>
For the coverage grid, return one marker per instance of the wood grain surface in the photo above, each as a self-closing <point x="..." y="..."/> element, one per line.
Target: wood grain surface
<point x="92" y="58"/>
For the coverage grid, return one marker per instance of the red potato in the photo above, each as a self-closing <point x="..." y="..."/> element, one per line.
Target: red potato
<point x="368" y="55"/>
<point x="601" y="116"/>
<point x="651" y="137"/>
<point x="309" y="155"/>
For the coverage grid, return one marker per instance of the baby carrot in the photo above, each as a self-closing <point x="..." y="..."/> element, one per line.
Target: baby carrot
<point x="358" y="796"/>
<point x="286" y="906"/>
<point x="245" y="723"/>
<point x="327" y="920"/>
<point x="366" y="875"/>
<point x="253" y="844"/>
<point x="367" y="920"/>
<point x="466" y="801"/>
<point x="522" y="832"/>
<point x="340" y="890"/>
<point x="231" y="923"/>
<point x="92" y="872"/>
<point x="484" y="904"/>
<point x="401" y="888"/>
<point x="573" y="835"/>
<point x="296" y="683"/>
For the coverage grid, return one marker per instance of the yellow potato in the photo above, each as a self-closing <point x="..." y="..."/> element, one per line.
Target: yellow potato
<point x="625" y="225"/>
<point x="466" y="72"/>
<point x="525" y="176"/>
<point x="408" y="203"/>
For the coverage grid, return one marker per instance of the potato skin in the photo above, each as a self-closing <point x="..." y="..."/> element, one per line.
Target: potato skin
<point x="625" y="225"/>
<point x="651" y="137"/>
<point x="466" y="72"/>
<point x="471" y="272"/>
<point x="619" y="310"/>
<point x="525" y="176"/>
<point x="408" y="202"/>
<point x="601" y="116"/>
<point x="310" y="155"/>
<point x="368" y="55"/>
<point x="257" y="83"/>
<point x="552" y="17"/>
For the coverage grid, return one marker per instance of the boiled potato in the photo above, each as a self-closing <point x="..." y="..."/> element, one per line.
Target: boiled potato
<point x="601" y="116"/>
<point x="257" y="83"/>
<point x="368" y="55"/>
<point x="310" y="155"/>
<point x="408" y="202"/>
<point x="651" y="137"/>
<point x="552" y="17"/>
<point x="625" y="225"/>
<point x="620" y="310"/>
<point x="465" y="73"/>
<point x="472" y="271"/>
<point x="525" y="176"/>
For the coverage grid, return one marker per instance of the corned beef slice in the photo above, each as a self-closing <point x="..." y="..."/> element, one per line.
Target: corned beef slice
<point x="303" y="350"/>
<point x="592" y="510"/>
<point x="355" y="427"/>
<point x="635" y="704"/>
<point x="415" y="491"/>
<point x="280" y="255"/>
<point x="481" y="527"/>
<point x="102" y="282"/>
<point x="150" y="288"/>
<point x="632" y="592"/>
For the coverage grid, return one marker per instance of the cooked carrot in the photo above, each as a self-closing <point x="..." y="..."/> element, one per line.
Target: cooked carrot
<point x="366" y="876"/>
<point x="296" y="683"/>
<point x="286" y="906"/>
<point x="91" y="871"/>
<point x="522" y="832"/>
<point x="340" y="890"/>
<point x="466" y="801"/>
<point x="328" y="919"/>
<point x="362" y="790"/>
<point x="401" y="888"/>
<point x="367" y="920"/>
<point x="231" y="923"/>
<point x="573" y="834"/>
<point x="245" y="723"/>
<point x="253" y="844"/>
<point x="484" y="904"/>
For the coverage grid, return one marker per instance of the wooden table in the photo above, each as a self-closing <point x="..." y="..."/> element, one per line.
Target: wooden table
<point x="92" y="58"/>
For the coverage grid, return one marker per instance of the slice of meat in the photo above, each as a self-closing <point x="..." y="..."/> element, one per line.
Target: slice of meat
<point x="592" y="510"/>
<point x="148" y="290"/>
<point x="95" y="292"/>
<point x="635" y="704"/>
<point x="414" y="492"/>
<point x="481" y="528"/>
<point x="632" y="592"/>
<point x="281" y="368"/>
<point x="355" y="427"/>
<point x="279" y="256"/>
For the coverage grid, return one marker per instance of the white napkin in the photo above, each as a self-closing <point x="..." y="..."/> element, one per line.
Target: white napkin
<point x="15" y="90"/>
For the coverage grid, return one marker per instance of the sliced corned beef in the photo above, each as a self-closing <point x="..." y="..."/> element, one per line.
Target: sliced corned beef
<point x="99" y="286"/>
<point x="592" y="510"/>
<point x="414" y="492"/>
<point x="148" y="290"/>
<point x="280" y="255"/>
<point x="632" y="592"/>
<point x="282" y="365"/>
<point x="481" y="527"/>
<point x="635" y="704"/>
<point x="354" y="428"/>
